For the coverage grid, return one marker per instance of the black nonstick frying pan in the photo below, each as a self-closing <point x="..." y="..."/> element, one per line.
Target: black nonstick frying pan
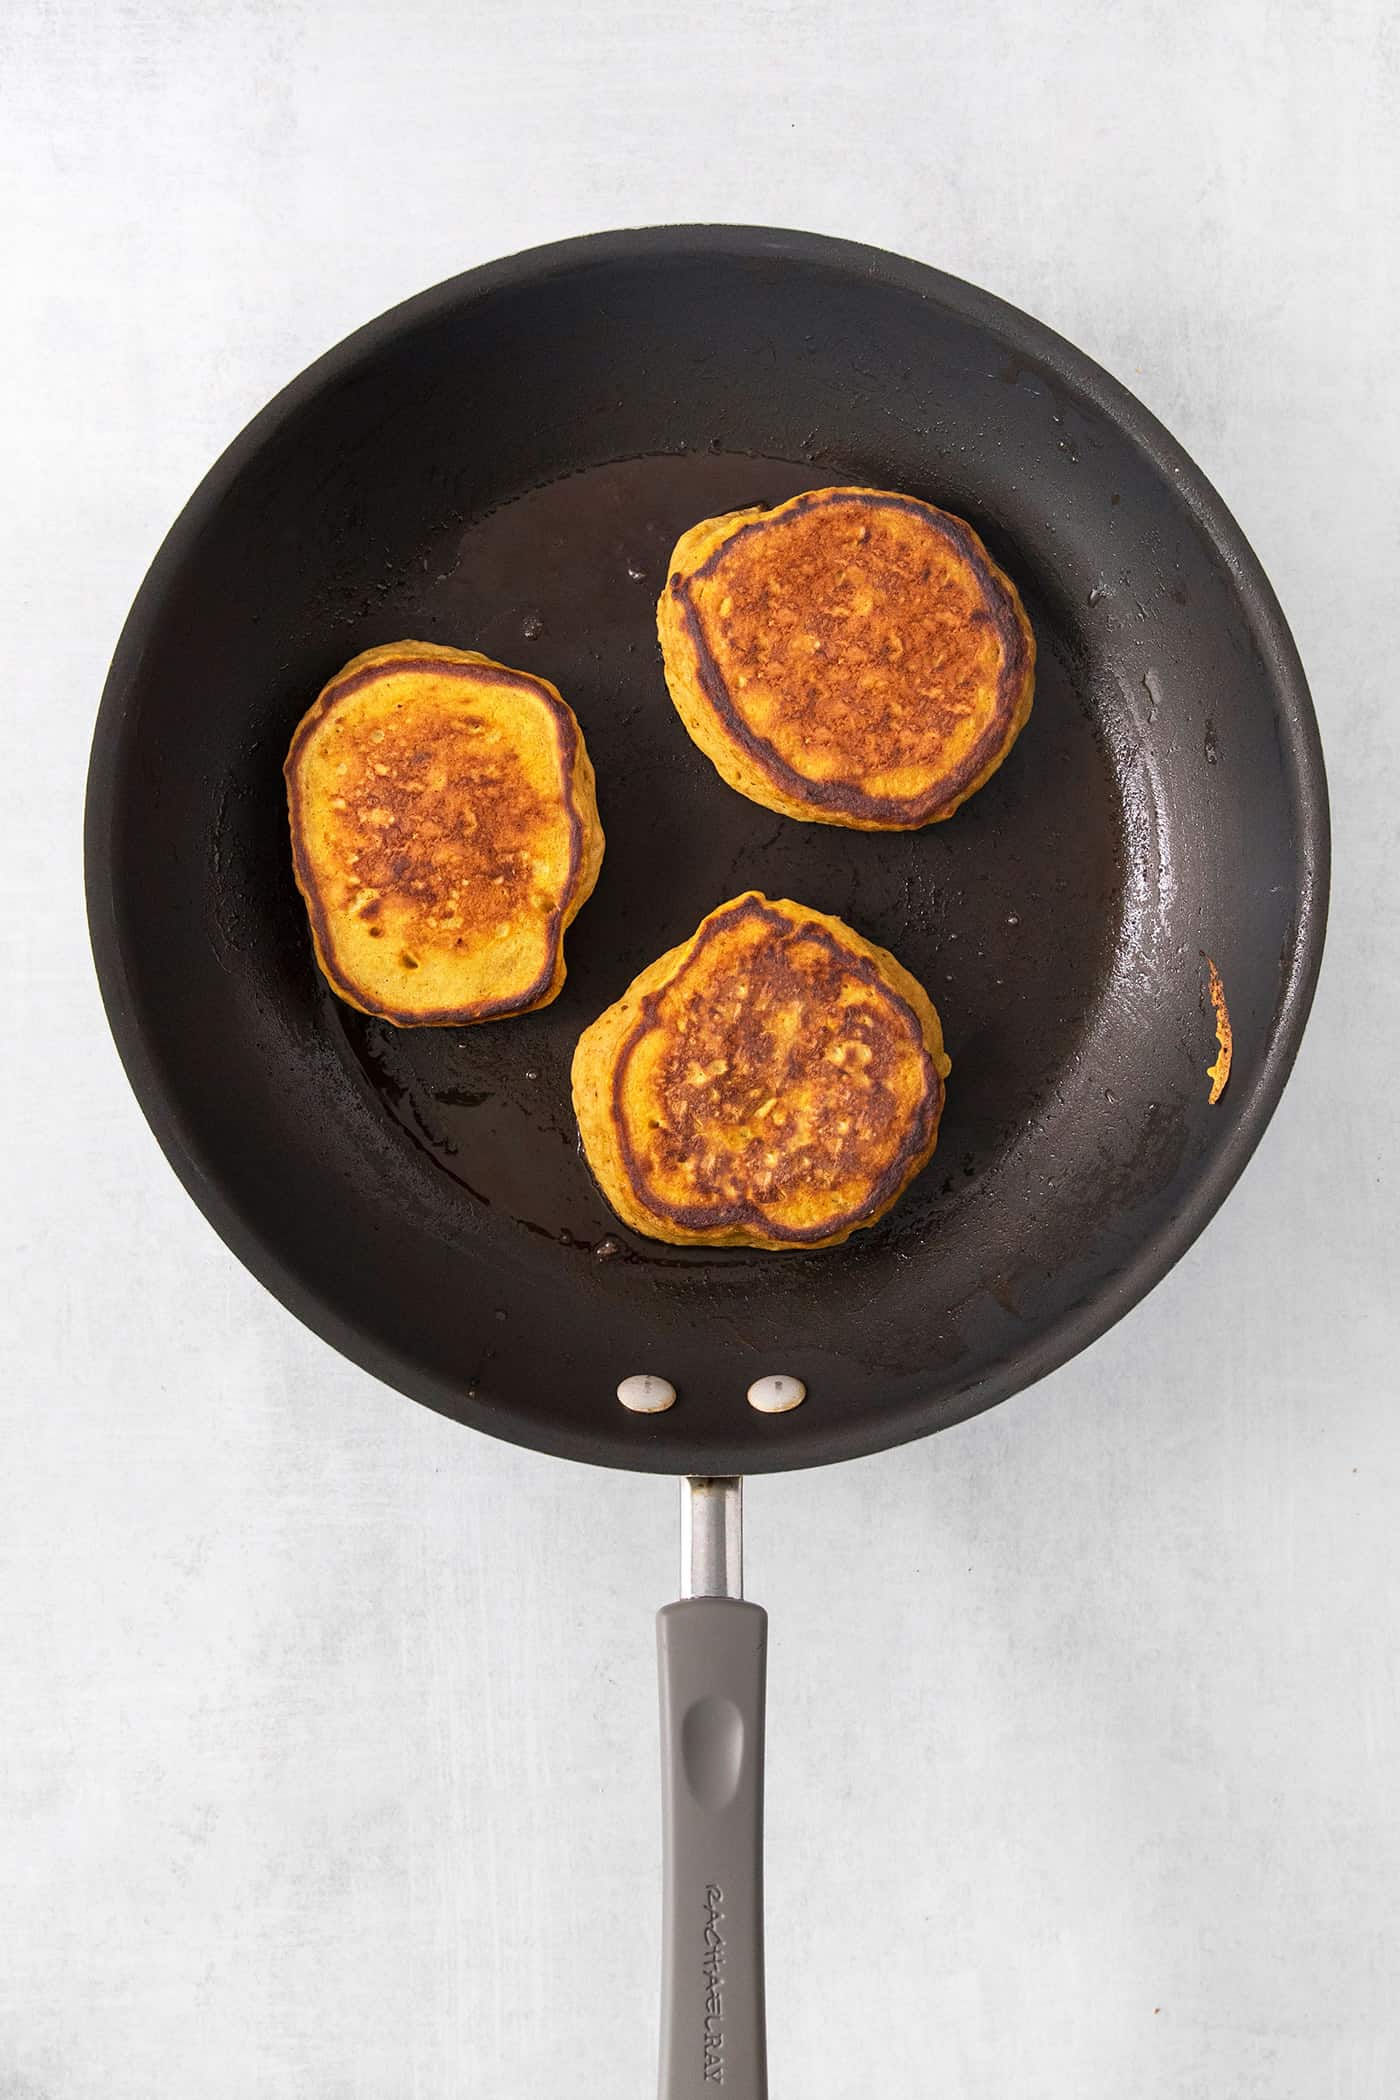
<point x="504" y="463"/>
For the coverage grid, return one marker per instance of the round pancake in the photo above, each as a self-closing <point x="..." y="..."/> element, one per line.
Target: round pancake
<point x="775" y="1081"/>
<point x="851" y="657"/>
<point x="444" y="834"/>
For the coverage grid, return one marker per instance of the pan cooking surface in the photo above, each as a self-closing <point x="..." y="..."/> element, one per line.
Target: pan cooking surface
<point x="505" y="464"/>
<point x="1009" y="914"/>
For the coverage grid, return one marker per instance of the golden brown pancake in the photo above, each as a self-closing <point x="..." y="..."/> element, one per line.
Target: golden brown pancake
<point x="775" y="1081"/>
<point x="852" y="657"/>
<point x="444" y="834"/>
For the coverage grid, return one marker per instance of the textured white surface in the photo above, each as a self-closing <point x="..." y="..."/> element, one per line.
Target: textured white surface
<point x="328" y="1728"/>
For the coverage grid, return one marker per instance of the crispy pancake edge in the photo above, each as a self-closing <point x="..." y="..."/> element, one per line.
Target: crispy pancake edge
<point x="749" y="764"/>
<point x="586" y="841"/>
<point x="599" y="1068"/>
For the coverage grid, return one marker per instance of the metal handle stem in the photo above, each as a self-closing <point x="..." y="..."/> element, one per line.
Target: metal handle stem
<point x="712" y="1537"/>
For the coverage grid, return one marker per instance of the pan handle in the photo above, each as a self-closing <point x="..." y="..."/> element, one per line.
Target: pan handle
<point x="712" y="1648"/>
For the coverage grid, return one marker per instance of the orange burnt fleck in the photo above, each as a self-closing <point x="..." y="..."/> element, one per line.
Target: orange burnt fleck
<point x="1219" y="1073"/>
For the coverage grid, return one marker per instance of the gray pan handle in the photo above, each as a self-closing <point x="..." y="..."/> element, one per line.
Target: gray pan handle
<point x="712" y="1650"/>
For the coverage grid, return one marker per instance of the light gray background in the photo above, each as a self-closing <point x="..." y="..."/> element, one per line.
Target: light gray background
<point x="329" y="1736"/>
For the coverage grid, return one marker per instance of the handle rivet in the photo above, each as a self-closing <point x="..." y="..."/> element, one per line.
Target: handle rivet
<point x="646" y="1394"/>
<point x="774" y="1396"/>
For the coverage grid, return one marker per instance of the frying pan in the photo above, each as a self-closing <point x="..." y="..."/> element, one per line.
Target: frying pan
<point x="504" y="463"/>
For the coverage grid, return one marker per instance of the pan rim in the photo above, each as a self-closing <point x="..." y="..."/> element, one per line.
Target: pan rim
<point x="801" y="1444"/>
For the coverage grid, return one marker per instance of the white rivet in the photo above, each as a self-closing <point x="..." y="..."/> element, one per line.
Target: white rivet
<point x="646" y="1395"/>
<point x="774" y="1396"/>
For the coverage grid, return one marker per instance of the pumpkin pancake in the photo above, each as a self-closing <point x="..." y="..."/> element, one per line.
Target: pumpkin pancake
<point x="851" y="657"/>
<point x="444" y="834"/>
<point x="775" y="1081"/>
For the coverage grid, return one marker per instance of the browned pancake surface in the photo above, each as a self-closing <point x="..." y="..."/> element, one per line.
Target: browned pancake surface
<point x="853" y="656"/>
<point x="444" y="833"/>
<point x="776" y="1081"/>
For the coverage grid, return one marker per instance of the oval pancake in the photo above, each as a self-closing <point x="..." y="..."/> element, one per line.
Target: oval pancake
<point x="776" y="1081"/>
<point x="853" y="656"/>
<point x="444" y="834"/>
